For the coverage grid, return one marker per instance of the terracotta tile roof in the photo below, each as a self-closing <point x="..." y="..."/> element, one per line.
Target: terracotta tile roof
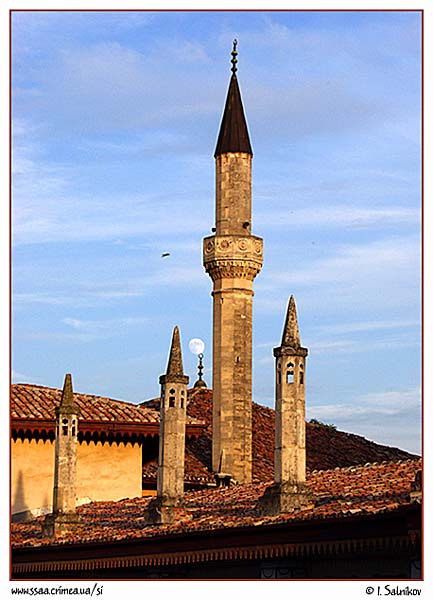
<point x="198" y="450"/>
<point x="38" y="402"/>
<point x="327" y="448"/>
<point x="195" y="471"/>
<point x="339" y="493"/>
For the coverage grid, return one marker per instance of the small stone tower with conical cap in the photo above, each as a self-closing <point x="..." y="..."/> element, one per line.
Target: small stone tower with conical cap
<point x="171" y="459"/>
<point x="172" y="427"/>
<point x="232" y="257"/>
<point x="289" y="491"/>
<point x="64" y="516"/>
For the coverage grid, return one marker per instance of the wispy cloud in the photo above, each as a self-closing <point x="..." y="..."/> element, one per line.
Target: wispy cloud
<point x="355" y="345"/>
<point x="388" y="417"/>
<point x="327" y="340"/>
<point x="183" y="51"/>
<point x="342" y="328"/>
<point x="113" y="85"/>
<point x="83" y="299"/>
<point x="384" y="259"/>
<point x="95" y="329"/>
<point x="84" y="291"/>
<point x="18" y="377"/>
<point x="340" y="216"/>
<point x="141" y="145"/>
<point x="42" y="216"/>
<point x="363" y="276"/>
<point x="370" y="405"/>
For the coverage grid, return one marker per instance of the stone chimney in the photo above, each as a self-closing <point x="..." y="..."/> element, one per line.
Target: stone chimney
<point x="64" y="517"/>
<point x="289" y="491"/>
<point x="171" y="460"/>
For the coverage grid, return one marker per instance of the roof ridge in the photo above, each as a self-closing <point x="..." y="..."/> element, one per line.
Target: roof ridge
<point x="367" y="464"/>
<point x="35" y="385"/>
<point x="87" y="395"/>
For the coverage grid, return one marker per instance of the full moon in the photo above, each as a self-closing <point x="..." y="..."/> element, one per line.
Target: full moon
<point x="196" y="346"/>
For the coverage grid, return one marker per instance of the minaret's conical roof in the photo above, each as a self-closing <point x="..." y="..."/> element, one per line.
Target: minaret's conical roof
<point x="175" y="365"/>
<point x="291" y="329"/>
<point x="233" y="135"/>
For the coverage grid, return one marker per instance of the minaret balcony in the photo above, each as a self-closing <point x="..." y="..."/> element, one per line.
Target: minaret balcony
<point x="238" y="249"/>
<point x="227" y="256"/>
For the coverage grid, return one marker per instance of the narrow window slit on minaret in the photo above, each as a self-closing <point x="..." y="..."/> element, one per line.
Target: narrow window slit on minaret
<point x="290" y="373"/>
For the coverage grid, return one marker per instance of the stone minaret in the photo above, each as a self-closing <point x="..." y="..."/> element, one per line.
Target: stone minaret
<point x="232" y="257"/>
<point x="289" y="491"/>
<point x="65" y="464"/>
<point x="171" y="460"/>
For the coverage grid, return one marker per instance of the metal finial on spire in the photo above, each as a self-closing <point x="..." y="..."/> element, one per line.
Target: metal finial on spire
<point x="234" y="60"/>
<point x="200" y="381"/>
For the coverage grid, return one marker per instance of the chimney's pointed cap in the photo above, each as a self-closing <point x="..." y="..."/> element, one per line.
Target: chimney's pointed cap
<point x="291" y="330"/>
<point x="174" y="371"/>
<point x="233" y="135"/>
<point x="67" y="403"/>
<point x="175" y="365"/>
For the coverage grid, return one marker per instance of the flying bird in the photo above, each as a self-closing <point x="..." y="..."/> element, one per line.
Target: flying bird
<point x="165" y="254"/>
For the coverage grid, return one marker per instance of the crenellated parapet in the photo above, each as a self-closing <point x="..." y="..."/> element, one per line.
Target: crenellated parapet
<point x="232" y="256"/>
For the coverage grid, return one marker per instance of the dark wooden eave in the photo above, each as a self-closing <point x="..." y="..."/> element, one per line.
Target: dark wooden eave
<point x="33" y="426"/>
<point x="400" y="528"/>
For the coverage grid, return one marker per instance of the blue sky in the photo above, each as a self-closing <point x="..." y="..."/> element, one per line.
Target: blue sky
<point x="115" y="119"/>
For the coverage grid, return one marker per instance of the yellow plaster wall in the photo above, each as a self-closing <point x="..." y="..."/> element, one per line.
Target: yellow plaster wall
<point x="107" y="472"/>
<point x="104" y="472"/>
<point x="32" y="475"/>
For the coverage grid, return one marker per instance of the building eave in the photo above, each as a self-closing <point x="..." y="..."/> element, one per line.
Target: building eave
<point x="29" y="427"/>
<point x="399" y="528"/>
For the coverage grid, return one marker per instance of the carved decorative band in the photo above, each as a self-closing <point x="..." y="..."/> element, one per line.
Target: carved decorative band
<point x="233" y="256"/>
<point x="241" y="269"/>
<point x="233" y="247"/>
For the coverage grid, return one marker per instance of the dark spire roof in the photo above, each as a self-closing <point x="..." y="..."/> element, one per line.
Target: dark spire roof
<point x="291" y="330"/>
<point x="67" y="403"/>
<point x="233" y="135"/>
<point x="175" y="366"/>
